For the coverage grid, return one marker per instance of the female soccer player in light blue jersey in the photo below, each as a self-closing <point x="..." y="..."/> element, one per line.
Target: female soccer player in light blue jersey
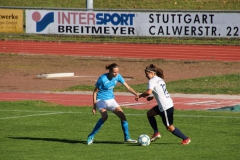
<point x="103" y="100"/>
<point x="165" y="108"/>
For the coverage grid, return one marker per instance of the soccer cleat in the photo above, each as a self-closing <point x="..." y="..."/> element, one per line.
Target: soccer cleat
<point x="90" y="140"/>
<point x="155" y="136"/>
<point x="129" y="140"/>
<point x="186" y="141"/>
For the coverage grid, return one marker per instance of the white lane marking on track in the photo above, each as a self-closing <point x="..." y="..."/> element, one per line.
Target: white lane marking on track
<point x="130" y="104"/>
<point x="203" y="102"/>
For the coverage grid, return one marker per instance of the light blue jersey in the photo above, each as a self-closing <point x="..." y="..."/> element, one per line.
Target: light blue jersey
<point x="106" y="86"/>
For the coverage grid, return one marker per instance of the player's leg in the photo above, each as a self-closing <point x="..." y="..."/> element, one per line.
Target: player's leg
<point x="100" y="122"/>
<point x="167" y="118"/>
<point x="152" y="120"/>
<point x="102" y="109"/>
<point x="177" y="132"/>
<point x="119" y="112"/>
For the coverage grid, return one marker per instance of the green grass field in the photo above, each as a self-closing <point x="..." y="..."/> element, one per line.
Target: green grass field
<point x="39" y="130"/>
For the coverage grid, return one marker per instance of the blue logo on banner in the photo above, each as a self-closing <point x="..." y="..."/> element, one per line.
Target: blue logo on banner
<point x="44" y="22"/>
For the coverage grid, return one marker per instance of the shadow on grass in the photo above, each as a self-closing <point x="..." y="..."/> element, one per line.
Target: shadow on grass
<point x="64" y="140"/>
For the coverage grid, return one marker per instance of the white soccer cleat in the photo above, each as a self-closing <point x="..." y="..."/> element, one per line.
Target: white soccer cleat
<point x="131" y="140"/>
<point x="90" y="140"/>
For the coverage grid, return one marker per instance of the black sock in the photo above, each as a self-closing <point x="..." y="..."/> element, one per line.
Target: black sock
<point x="179" y="134"/>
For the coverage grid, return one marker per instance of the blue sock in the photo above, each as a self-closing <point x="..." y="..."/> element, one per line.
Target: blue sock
<point x="125" y="129"/>
<point x="153" y="123"/>
<point x="179" y="134"/>
<point x="97" y="127"/>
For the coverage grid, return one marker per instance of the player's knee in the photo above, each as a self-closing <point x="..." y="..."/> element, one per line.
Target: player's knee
<point x="149" y="113"/>
<point x="105" y="117"/>
<point x="170" y="128"/>
<point x="122" y="116"/>
<point x="118" y="109"/>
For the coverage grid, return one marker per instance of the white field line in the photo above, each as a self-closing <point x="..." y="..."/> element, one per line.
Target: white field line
<point x="23" y="111"/>
<point x="32" y="115"/>
<point x="51" y="113"/>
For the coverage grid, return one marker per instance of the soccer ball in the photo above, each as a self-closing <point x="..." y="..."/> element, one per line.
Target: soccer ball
<point x="143" y="140"/>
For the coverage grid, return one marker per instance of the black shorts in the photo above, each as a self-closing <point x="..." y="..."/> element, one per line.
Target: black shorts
<point x="167" y="116"/>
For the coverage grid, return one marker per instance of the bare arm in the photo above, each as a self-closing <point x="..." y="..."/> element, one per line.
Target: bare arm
<point x="131" y="90"/>
<point x="94" y="100"/>
<point x="146" y="93"/>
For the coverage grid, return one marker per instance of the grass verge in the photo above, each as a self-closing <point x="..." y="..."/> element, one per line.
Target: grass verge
<point x="223" y="84"/>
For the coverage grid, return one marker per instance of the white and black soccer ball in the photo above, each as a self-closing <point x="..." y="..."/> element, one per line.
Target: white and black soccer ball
<point x="143" y="140"/>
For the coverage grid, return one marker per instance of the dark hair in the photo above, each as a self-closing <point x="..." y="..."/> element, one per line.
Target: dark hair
<point x="153" y="68"/>
<point x="111" y="66"/>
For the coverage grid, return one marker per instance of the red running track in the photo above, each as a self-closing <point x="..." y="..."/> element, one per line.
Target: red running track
<point x="168" y="52"/>
<point x="160" y="51"/>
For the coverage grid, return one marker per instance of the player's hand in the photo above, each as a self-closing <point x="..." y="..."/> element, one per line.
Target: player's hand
<point x="93" y="110"/>
<point x="149" y="98"/>
<point x="136" y="98"/>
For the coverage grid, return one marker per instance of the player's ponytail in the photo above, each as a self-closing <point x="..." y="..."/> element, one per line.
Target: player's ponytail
<point x="159" y="73"/>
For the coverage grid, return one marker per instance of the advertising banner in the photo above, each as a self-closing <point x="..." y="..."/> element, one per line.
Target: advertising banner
<point x="152" y="24"/>
<point x="11" y="21"/>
